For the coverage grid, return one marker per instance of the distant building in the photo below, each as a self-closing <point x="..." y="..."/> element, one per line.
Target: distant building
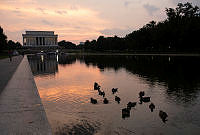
<point x="40" y="39"/>
<point x="82" y="43"/>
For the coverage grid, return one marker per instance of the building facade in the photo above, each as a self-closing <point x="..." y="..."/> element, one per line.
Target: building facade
<point x="40" y="38"/>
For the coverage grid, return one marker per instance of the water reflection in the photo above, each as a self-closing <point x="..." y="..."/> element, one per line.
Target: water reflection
<point x="180" y="74"/>
<point x="66" y="59"/>
<point x="43" y="64"/>
<point x="172" y="83"/>
<point x="84" y="127"/>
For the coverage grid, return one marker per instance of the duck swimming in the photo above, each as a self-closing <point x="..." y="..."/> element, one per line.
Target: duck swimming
<point x="131" y="104"/>
<point x="141" y="94"/>
<point x="101" y="93"/>
<point x="93" y="101"/>
<point x="114" y="90"/>
<point x="163" y="115"/>
<point x="117" y="99"/>
<point x="125" y="113"/>
<point x="145" y="99"/>
<point x="105" y="101"/>
<point x="152" y="107"/>
<point x="96" y="86"/>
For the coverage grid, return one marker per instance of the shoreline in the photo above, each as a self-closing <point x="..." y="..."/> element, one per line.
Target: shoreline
<point x="137" y="54"/>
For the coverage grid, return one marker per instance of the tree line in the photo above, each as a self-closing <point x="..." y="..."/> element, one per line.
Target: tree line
<point x="179" y="32"/>
<point x="7" y="44"/>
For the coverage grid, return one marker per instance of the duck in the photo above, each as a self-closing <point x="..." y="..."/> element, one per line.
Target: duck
<point x="125" y="112"/>
<point x="93" y="101"/>
<point x="96" y="86"/>
<point x="140" y="101"/>
<point x="146" y="99"/>
<point x="163" y="115"/>
<point x="141" y="94"/>
<point x="114" y="90"/>
<point x="131" y="104"/>
<point x="105" y="101"/>
<point x="152" y="107"/>
<point x="101" y="93"/>
<point x="117" y="99"/>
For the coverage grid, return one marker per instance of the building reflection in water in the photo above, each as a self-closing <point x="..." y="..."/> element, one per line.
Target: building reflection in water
<point x="172" y="82"/>
<point x="43" y="64"/>
<point x="179" y="74"/>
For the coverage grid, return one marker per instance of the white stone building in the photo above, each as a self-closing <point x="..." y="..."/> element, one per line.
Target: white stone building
<point x="40" y="39"/>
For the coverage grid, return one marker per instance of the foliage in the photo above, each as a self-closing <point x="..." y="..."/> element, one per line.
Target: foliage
<point x="3" y="39"/>
<point x="13" y="45"/>
<point x="67" y="44"/>
<point x="179" y="32"/>
<point x="4" y="44"/>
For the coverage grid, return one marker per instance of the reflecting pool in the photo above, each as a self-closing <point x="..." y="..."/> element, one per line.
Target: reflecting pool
<point x="66" y="84"/>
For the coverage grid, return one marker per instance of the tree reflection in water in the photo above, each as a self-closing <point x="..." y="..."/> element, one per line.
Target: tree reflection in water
<point x="82" y="128"/>
<point x="181" y="75"/>
<point x="167" y="80"/>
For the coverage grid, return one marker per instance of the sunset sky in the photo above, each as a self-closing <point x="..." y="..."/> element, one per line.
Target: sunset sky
<point x="78" y="20"/>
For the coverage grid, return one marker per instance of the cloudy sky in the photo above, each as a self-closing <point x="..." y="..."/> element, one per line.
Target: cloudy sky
<point x="78" y="20"/>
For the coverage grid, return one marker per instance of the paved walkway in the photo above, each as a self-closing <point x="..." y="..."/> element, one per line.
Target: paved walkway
<point x="21" y="110"/>
<point x="7" y="69"/>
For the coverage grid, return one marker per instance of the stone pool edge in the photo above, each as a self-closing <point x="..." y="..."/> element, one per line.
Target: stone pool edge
<point x="21" y="108"/>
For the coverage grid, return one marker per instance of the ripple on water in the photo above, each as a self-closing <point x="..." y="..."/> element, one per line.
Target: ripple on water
<point x="173" y="88"/>
<point x="82" y="127"/>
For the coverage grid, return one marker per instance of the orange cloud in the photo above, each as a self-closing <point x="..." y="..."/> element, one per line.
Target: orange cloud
<point x="73" y="24"/>
<point x="81" y="19"/>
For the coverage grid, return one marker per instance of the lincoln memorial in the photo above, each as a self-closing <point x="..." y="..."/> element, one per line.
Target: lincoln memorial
<point x="40" y="38"/>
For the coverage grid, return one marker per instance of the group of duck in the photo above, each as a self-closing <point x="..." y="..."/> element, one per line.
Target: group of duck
<point x="102" y="93"/>
<point x="126" y="111"/>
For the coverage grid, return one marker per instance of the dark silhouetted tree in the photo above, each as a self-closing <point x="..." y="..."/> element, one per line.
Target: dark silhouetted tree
<point x="3" y="39"/>
<point x="67" y="44"/>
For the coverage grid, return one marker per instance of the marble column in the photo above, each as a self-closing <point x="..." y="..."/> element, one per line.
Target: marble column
<point x="56" y="41"/>
<point x="42" y="40"/>
<point x="38" y="41"/>
<point x="27" y="41"/>
<point x="50" y="41"/>
<point x="23" y="40"/>
<point x="35" y="42"/>
<point x="46" y="41"/>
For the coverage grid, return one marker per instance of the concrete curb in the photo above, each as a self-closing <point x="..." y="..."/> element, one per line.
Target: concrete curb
<point x="7" y="69"/>
<point x="21" y="110"/>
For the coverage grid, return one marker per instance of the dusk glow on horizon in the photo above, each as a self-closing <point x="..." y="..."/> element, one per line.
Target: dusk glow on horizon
<point x="80" y="20"/>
